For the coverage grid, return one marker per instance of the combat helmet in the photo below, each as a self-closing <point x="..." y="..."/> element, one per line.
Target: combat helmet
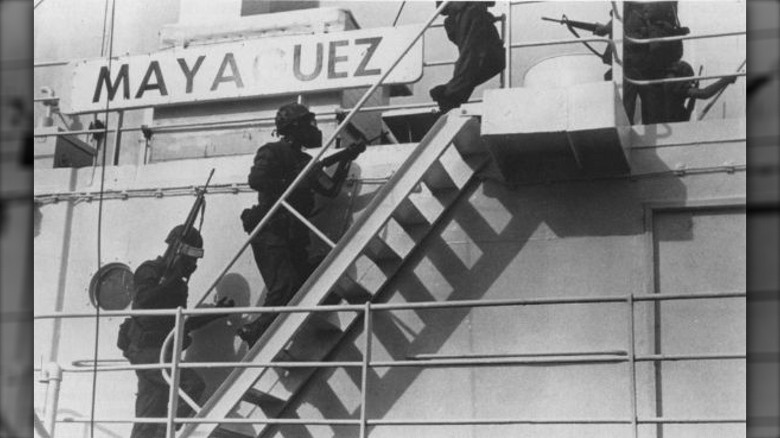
<point x="291" y="114"/>
<point x="192" y="243"/>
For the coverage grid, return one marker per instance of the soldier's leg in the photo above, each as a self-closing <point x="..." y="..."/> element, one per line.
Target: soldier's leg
<point x="464" y="79"/>
<point x="274" y="260"/>
<point x="629" y="99"/>
<point x="191" y="382"/>
<point x="151" y="401"/>
<point x="492" y="63"/>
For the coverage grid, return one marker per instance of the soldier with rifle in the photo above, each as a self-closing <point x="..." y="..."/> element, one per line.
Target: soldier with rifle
<point x="280" y="248"/>
<point x="643" y="20"/>
<point x="162" y="284"/>
<point x="676" y="100"/>
<point x="597" y="29"/>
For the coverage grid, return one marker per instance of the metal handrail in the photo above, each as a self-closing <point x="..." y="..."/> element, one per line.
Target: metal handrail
<point x="682" y="79"/>
<point x="631" y="40"/>
<point x="368" y="308"/>
<point x="419" y="305"/>
<point x="416" y="421"/>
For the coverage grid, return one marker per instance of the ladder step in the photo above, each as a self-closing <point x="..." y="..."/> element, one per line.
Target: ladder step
<point x="408" y="214"/>
<point x="450" y="171"/>
<point x="326" y="322"/>
<point x="469" y="140"/>
<point x="437" y="178"/>
<point x="423" y="206"/>
<point x="392" y="243"/>
<point x="379" y="249"/>
<point x="262" y="400"/>
<point x="351" y="291"/>
<point x="222" y="432"/>
<point x="310" y="342"/>
<point x="369" y="275"/>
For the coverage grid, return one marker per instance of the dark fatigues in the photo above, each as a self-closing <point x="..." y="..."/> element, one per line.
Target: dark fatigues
<point x="649" y="61"/>
<point x="480" y="52"/>
<point x="668" y="103"/>
<point x="280" y="249"/>
<point x="147" y="334"/>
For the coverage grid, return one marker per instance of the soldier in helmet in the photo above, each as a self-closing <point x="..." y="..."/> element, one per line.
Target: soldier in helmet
<point x="280" y="248"/>
<point x="674" y="101"/>
<point x="481" y="53"/>
<point x="141" y="337"/>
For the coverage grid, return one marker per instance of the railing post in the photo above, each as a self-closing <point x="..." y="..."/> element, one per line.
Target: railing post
<point x="617" y="47"/>
<point x="368" y="332"/>
<point x="52" y="375"/>
<point x="632" y="365"/>
<point x="173" y="389"/>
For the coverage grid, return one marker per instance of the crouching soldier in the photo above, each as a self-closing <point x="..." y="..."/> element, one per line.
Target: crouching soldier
<point x="280" y="248"/>
<point x="141" y="337"/>
<point x="674" y="101"/>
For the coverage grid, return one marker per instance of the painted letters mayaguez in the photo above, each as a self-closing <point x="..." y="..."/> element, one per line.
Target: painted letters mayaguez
<point x="250" y="68"/>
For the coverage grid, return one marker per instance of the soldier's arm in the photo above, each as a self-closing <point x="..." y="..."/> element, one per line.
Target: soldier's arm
<point x="330" y="186"/>
<point x="712" y="89"/>
<point x="261" y="174"/>
<point x="147" y="289"/>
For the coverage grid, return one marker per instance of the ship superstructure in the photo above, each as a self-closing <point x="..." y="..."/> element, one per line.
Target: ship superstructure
<point x="529" y="264"/>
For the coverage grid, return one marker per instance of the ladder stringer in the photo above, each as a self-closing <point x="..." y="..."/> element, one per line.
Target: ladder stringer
<point x="323" y="280"/>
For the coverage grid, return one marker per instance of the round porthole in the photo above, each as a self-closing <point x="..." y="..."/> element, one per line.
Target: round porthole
<point x="111" y="287"/>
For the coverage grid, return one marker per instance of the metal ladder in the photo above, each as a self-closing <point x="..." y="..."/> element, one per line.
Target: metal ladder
<point x="399" y="216"/>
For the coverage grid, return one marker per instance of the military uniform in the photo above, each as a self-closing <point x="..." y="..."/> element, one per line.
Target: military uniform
<point x="674" y="101"/>
<point x="649" y="61"/>
<point x="280" y="248"/>
<point x="481" y="53"/>
<point x="146" y="335"/>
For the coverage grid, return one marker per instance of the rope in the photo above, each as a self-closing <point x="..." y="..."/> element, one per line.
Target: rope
<point x="398" y="15"/>
<point x="100" y="228"/>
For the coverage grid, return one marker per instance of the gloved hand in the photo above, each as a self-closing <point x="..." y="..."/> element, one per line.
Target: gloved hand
<point x="225" y="302"/>
<point x="356" y="149"/>
<point x="437" y="93"/>
<point x="602" y="29"/>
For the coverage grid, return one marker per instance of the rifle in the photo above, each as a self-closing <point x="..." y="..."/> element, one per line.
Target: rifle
<point x="348" y="153"/>
<point x="717" y="96"/>
<point x="173" y="252"/>
<point x="606" y="57"/>
<point x="583" y="25"/>
<point x="691" y="104"/>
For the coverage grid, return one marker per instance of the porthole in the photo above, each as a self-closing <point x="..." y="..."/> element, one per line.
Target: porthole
<point x="114" y="284"/>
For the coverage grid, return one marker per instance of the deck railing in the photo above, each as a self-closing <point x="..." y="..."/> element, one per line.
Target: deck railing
<point x="620" y="355"/>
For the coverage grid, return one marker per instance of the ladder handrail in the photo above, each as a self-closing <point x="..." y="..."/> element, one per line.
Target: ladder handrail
<point x="294" y="184"/>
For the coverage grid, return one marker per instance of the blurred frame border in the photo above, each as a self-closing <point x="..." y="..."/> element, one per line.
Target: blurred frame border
<point x="18" y="218"/>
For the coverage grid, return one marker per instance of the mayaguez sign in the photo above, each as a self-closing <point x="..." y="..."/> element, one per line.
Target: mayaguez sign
<point x="258" y="67"/>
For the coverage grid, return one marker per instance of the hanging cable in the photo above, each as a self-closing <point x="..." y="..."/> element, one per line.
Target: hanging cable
<point x="100" y="224"/>
<point x="398" y="15"/>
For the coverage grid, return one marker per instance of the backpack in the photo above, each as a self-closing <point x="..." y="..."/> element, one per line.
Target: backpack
<point x="662" y="21"/>
<point x="123" y="337"/>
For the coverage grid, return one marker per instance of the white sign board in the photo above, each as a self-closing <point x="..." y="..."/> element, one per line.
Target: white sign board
<point x="258" y="67"/>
